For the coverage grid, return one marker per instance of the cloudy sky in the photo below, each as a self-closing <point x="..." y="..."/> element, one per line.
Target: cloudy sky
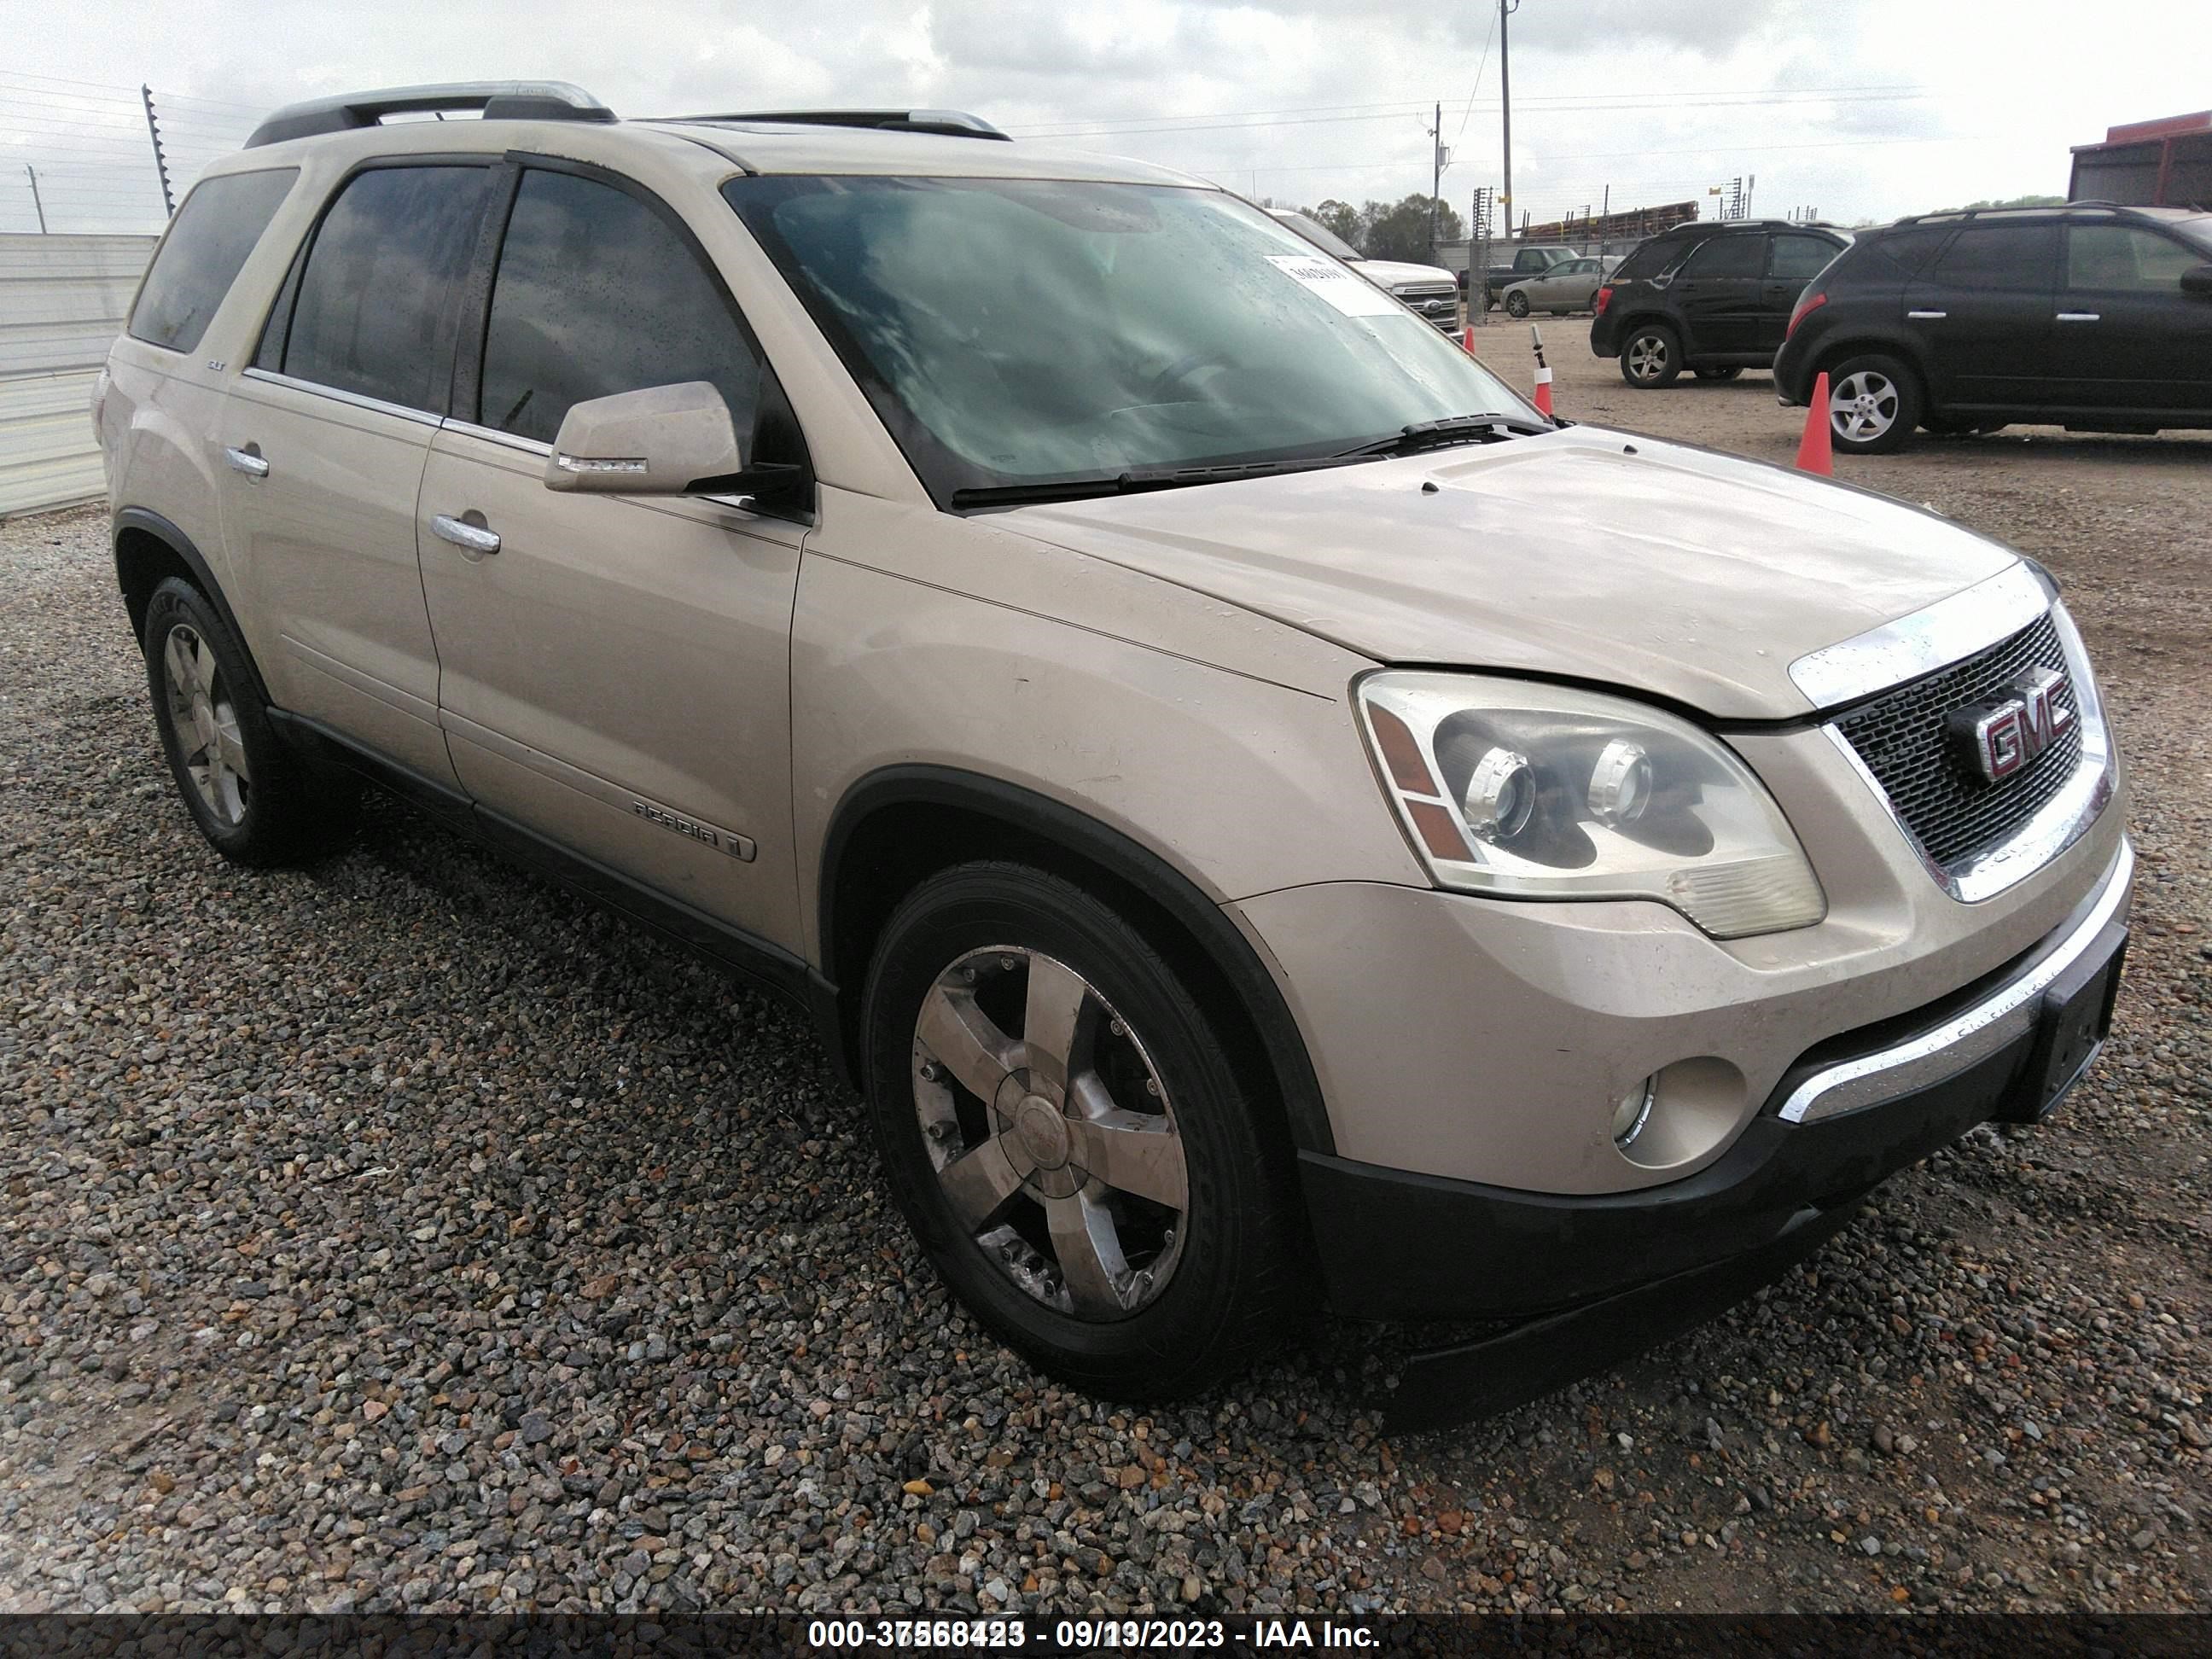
<point x="1859" y="108"/>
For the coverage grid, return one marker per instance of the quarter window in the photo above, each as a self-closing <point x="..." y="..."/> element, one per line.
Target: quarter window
<point x="2000" y="256"/>
<point x="378" y="293"/>
<point x="217" y="228"/>
<point x="2121" y="258"/>
<point x="596" y="294"/>
<point x="1728" y="256"/>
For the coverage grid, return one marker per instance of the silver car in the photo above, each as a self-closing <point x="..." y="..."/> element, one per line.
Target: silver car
<point x="1570" y="285"/>
<point x="1265" y="820"/>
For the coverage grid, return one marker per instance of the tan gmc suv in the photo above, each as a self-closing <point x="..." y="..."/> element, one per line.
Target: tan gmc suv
<point x="1266" y="820"/>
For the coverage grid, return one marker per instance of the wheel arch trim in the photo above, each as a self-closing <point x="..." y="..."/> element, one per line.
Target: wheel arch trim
<point x="143" y="521"/>
<point x="1025" y="811"/>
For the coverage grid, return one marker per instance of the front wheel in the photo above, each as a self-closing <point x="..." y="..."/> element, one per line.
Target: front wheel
<point x="1650" y="357"/>
<point x="1063" y="1130"/>
<point x="1516" y="304"/>
<point x="1873" y="403"/>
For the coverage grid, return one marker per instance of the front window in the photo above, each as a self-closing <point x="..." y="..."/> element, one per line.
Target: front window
<point x="1019" y="333"/>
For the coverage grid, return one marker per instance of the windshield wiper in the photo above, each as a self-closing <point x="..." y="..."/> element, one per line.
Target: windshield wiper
<point x="1451" y="429"/>
<point x="1133" y="481"/>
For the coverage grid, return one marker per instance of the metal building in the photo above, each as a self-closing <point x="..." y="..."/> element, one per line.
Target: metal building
<point x="63" y="300"/>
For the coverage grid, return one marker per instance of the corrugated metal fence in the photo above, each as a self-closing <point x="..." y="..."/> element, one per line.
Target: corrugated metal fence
<point x="63" y="300"/>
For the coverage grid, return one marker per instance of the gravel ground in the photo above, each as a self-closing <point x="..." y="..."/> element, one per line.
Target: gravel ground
<point x="402" y="1233"/>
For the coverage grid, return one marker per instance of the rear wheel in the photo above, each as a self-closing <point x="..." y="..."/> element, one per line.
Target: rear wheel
<point x="1873" y="403"/>
<point x="1516" y="304"/>
<point x="1066" y="1136"/>
<point x="256" y="800"/>
<point x="1650" y="357"/>
<point x="1724" y="373"/>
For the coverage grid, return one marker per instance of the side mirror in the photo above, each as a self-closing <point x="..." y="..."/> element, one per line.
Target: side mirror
<point x="660" y="441"/>
<point x="2197" y="280"/>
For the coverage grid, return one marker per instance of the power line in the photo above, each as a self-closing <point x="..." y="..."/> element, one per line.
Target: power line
<point x="1482" y="64"/>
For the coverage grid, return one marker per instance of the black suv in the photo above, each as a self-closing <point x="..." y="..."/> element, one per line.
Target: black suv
<point x="1714" y="298"/>
<point x="2091" y="317"/>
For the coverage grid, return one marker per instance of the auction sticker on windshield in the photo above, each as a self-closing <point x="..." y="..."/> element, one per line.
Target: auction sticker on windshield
<point x="1353" y="296"/>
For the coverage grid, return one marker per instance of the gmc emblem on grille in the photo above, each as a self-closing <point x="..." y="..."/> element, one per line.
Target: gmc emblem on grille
<point x="1996" y="739"/>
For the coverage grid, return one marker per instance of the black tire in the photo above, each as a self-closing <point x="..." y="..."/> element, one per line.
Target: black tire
<point x="1728" y="373"/>
<point x="278" y="806"/>
<point x="1231" y="1290"/>
<point x="1873" y="405"/>
<point x="1516" y="304"/>
<point x="1651" y="356"/>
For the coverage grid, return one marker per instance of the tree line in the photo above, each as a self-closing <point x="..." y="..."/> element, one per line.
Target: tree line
<point x="1392" y="230"/>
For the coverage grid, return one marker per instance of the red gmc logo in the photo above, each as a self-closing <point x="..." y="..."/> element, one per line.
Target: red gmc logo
<point x="1997" y="739"/>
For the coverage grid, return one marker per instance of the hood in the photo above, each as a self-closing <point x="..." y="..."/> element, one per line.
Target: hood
<point x="1597" y="556"/>
<point x="1389" y="273"/>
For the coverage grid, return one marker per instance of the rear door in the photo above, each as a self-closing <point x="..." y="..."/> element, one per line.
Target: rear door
<point x="1717" y="294"/>
<point x="324" y="439"/>
<point x="2124" y="335"/>
<point x="1793" y="259"/>
<point x="617" y="674"/>
<point x="1982" y="312"/>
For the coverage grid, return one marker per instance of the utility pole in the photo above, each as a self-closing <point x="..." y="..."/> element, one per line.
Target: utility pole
<point x="1505" y="9"/>
<point x="1436" y="175"/>
<point x="35" y="201"/>
<point x="161" y="161"/>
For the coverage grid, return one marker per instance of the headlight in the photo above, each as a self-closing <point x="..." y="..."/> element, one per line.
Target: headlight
<point x="1544" y="791"/>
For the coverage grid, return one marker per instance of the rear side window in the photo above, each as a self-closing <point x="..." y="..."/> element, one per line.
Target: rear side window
<point x="1799" y="258"/>
<point x="1645" y="260"/>
<point x="377" y="297"/>
<point x="2125" y="259"/>
<point x="596" y="294"/>
<point x="2001" y="256"/>
<point x="215" y="229"/>
<point x="1909" y="251"/>
<point x="1728" y="256"/>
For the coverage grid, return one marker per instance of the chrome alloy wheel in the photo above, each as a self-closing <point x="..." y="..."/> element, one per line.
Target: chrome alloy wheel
<point x="206" y="724"/>
<point x="1647" y="356"/>
<point x="1048" y="1126"/>
<point x="1864" y="406"/>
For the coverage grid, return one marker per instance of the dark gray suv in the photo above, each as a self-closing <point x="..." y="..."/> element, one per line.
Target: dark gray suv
<point x="1713" y="298"/>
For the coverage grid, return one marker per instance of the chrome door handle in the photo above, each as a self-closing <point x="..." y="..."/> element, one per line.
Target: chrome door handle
<point x="1928" y="316"/>
<point x="246" y="461"/>
<point x="465" y="535"/>
<point x="2077" y="316"/>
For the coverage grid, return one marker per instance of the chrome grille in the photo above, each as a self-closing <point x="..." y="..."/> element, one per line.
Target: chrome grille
<point x="1436" y="301"/>
<point x="1903" y="738"/>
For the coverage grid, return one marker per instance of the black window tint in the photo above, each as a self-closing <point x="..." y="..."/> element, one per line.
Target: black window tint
<point x="596" y="294"/>
<point x="2000" y="256"/>
<point x="1728" y="256"/>
<point x="215" y="229"/>
<point x="1799" y="258"/>
<point x="2125" y="258"/>
<point x="1910" y="250"/>
<point x="1645" y="260"/>
<point x="377" y="296"/>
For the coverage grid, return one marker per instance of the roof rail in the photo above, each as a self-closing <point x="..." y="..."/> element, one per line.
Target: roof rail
<point x="1976" y="213"/>
<point x="950" y="122"/>
<point x="498" y="100"/>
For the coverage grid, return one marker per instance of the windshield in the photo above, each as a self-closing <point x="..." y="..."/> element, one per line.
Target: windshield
<point x="1020" y="332"/>
<point x="1321" y="236"/>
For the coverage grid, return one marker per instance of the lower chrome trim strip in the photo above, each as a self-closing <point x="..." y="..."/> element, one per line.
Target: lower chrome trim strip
<point x="1966" y="1038"/>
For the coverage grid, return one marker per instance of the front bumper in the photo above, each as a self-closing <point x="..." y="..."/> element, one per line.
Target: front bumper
<point x="1855" y="1109"/>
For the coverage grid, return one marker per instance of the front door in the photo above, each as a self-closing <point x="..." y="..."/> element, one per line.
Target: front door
<point x="1717" y="294"/>
<point x="2124" y="336"/>
<point x="615" y="677"/>
<point x="324" y="441"/>
<point x="1983" y="311"/>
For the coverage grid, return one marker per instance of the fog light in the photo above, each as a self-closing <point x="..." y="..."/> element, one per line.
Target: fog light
<point x="1500" y="795"/>
<point x="1634" y="1111"/>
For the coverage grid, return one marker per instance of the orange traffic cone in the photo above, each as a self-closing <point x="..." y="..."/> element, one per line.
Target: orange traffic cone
<point x="1813" y="451"/>
<point x="1543" y="374"/>
<point x="1467" y="338"/>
